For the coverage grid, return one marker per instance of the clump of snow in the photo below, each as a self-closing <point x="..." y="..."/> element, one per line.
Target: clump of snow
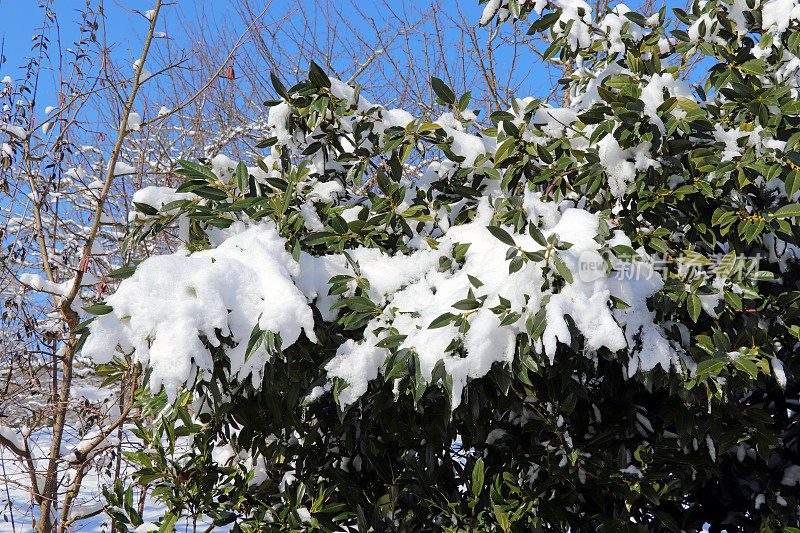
<point x="574" y="23"/>
<point x="123" y="168"/>
<point x="791" y="476"/>
<point x="612" y="25"/>
<point x="618" y="165"/>
<point x="161" y="311"/>
<point x="778" y="371"/>
<point x="223" y="166"/>
<point x="325" y="191"/>
<point x="777" y="15"/>
<point x="653" y="95"/>
<point x="705" y="29"/>
<point x="632" y="470"/>
<point x="134" y="121"/>
<point x="17" y="131"/>
<point x="144" y="74"/>
<point x="277" y="120"/>
<point x="37" y="282"/>
<point x="427" y="294"/>
<point x="158" y="197"/>
<point x="397" y="117"/>
<point x="489" y="11"/>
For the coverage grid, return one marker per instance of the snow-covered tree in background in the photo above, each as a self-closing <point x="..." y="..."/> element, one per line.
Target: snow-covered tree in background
<point x="581" y="317"/>
<point x="62" y="218"/>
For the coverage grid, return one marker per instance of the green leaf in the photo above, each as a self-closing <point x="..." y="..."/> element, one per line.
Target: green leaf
<point x="786" y="211"/>
<point x="242" y="177"/>
<point x="477" y="478"/>
<point x="711" y="366"/>
<point x="537" y="235"/>
<point x="667" y="105"/>
<point x="753" y="229"/>
<point x="467" y="304"/>
<point x="515" y="265"/>
<point x="501" y="517"/>
<point x="562" y="269"/>
<point x="636" y="18"/>
<point x="536" y="324"/>
<point x="196" y="170"/>
<point x="256" y="339"/>
<point x="659" y="244"/>
<point x="510" y="318"/>
<point x="317" y="76"/>
<point x="443" y="91"/>
<point x="463" y="102"/>
<point x="475" y="282"/>
<point x="392" y="341"/>
<point x="691" y="257"/>
<point x="210" y="193"/>
<point x="694" y="307"/>
<point x="747" y="365"/>
<point x="734" y="300"/>
<point x="148" y="210"/>
<point x="168" y="523"/>
<point x="441" y="321"/>
<point x="792" y="183"/>
<point x="98" y="308"/>
<point x="754" y="66"/>
<point x="552" y="50"/>
<point x="122" y="272"/>
<point x="501" y="234"/>
<point x="503" y="149"/>
<point x="279" y="87"/>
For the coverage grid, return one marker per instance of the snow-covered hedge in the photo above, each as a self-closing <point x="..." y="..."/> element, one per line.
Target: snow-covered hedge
<point x="555" y="317"/>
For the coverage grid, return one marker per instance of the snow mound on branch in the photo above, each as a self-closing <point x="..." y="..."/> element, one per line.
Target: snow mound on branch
<point x="174" y="305"/>
<point x="156" y="197"/>
<point x="777" y="15"/>
<point x="134" y="122"/>
<point x="411" y="309"/>
<point x="171" y="300"/>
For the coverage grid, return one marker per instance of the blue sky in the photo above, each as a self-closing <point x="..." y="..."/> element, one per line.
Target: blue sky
<point x="22" y="18"/>
<point x="126" y="28"/>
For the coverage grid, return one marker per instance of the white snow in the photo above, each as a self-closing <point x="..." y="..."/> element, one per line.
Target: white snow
<point x="144" y="74"/>
<point x="161" y="311"/>
<point x="134" y="121"/>
<point x="17" y="131"/>
<point x="778" y="371"/>
<point x="777" y="15"/>
<point x="791" y="476"/>
<point x="123" y="168"/>
<point x="489" y="11"/>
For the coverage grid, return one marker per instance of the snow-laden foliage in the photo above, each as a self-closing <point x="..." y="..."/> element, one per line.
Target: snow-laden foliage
<point x="558" y="317"/>
<point x="504" y="283"/>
